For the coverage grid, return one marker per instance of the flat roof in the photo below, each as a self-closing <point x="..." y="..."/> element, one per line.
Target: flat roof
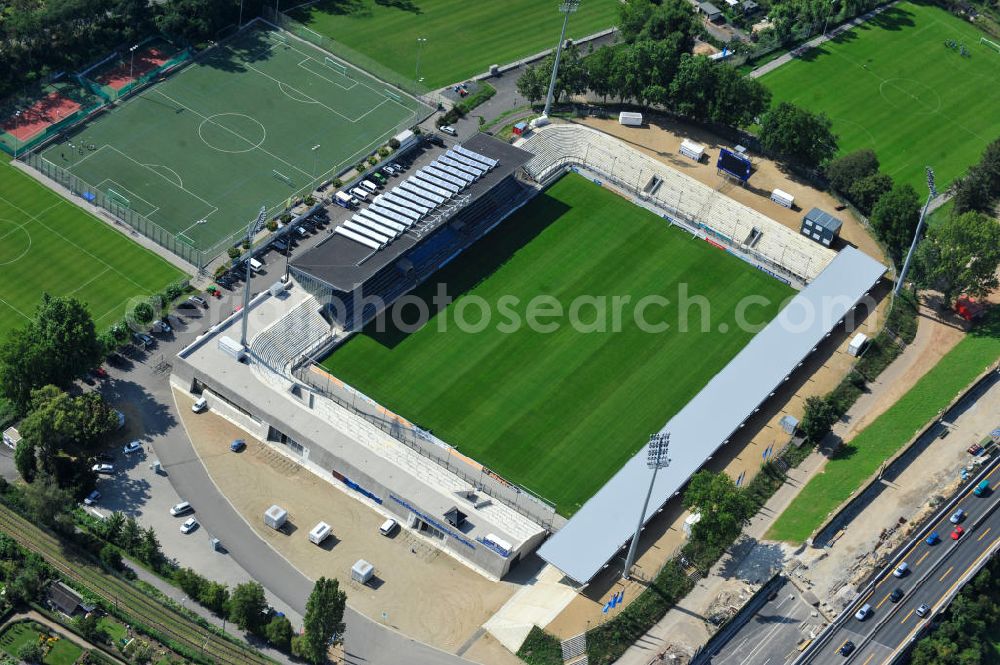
<point x="606" y="522"/>
<point x="824" y="219"/>
<point x="344" y="264"/>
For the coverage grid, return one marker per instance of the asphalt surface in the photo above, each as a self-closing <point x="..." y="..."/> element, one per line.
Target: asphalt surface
<point x="765" y="639"/>
<point x="936" y="572"/>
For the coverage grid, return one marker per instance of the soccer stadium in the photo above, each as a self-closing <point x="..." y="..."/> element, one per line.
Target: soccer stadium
<point x="202" y="143"/>
<point x="357" y="368"/>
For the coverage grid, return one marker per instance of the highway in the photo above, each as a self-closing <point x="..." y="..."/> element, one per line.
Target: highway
<point x="937" y="572"/>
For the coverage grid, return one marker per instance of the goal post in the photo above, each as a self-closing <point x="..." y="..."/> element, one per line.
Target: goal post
<point x="335" y="66"/>
<point x="393" y="96"/>
<point x="991" y="44"/>
<point x="118" y="198"/>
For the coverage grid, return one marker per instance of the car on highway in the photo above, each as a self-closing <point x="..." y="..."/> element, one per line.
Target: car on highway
<point x="957" y="516"/>
<point x="957" y="533"/>
<point x="923" y="610"/>
<point x="181" y="508"/>
<point x="982" y="489"/>
<point x="864" y="612"/>
<point x="92" y="498"/>
<point x="237" y="445"/>
<point x="189" y="525"/>
<point x="846" y="648"/>
<point x="901" y="570"/>
<point x="896" y="595"/>
<point x="933" y="538"/>
<point x="131" y="447"/>
<point x="106" y="469"/>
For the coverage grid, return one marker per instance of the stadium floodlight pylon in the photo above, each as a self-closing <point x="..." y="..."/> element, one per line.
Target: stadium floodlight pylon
<point x="931" y="195"/>
<point x="252" y="230"/>
<point x="567" y="8"/>
<point x="656" y="459"/>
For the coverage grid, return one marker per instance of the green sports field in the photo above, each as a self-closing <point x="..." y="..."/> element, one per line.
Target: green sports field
<point x="559" y="412"/>
<point x="464" y="37"/>
<point x="892" y="85"/>
<point x="251" y="123"/>
<point x="855" y="462"/>
<point x="47" y="244"/>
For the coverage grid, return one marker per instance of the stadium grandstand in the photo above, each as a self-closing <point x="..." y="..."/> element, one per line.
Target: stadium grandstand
<point x="678" y="197"/>
<point x="413" y="228"/>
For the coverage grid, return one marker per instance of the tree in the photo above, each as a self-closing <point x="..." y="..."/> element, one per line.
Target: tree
<point x="49" y="504"/>
<point x="214" y="596"/>
<point x="143" y="312"/>
<point x="25" y="459"/>
<point x="850" y="168"/>
<point x="88" y="627"/>
<point x="149" y="547"/>
<point x="724" y="507"/>
<point x="895" y="218"/>
<point x="113" y="526"/>
<point x="599" y="71"/>
<point x="31" y="652"/>
<point x="324" y="619"/>
<point x="247" y="606"/>
<point x="820" y="416"/>
<point x="279" y="633"/>
<point x="866" y="192"/>
<point x="111" y="557"/>
<point x="58" y="345"/>
<point x="190" y="582"/>
<point x="961" y="256"/>
<point x="532" y="84"/>
<point x="131" y="535"/>
<point x="798" y="135"/>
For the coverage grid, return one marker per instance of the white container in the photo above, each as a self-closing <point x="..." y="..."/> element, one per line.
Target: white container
<point x="630" y="118"/>
<point x="231" y="347"/>
<point x="319" y="533"/>
<point x="362" y="571"/>
<point x="275" y="517"/>
<point x="692" y="150"/>
<point x="857" y="344"/>
<point x="11" y="437"/>
<point x="782" y="198"/>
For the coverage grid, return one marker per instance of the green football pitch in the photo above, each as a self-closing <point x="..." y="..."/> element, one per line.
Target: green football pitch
<point x="47" y="244"/>
<point x="463" y="37"/>
<point x="559" y="412"/>
<point x="894" y="86"/>
<point x="251" y="123"/>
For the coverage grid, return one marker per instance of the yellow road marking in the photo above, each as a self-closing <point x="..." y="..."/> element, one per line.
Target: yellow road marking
<point x="870" y="656"/>
<point x="983" y="534"/>
<point x="882" y="602"/>
<point x="941" y="579"/>
<point x="907" y="617"/>
<point x="926" y="554"/>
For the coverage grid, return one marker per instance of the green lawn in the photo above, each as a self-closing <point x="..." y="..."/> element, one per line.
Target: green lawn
<point x="48" y="244"/>
<point x="893" y="86"/>
<point x="559" y="412"/>
<point x="63" y="652"/>
<point x="464" y="37"/>
<point x="859" y="459"/>
<point x="115" y="629"/>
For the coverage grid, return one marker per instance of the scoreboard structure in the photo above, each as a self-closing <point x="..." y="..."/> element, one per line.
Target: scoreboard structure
<point x="733" y="164"/>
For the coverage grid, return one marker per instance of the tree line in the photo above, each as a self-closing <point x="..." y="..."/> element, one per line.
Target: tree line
<point x="40" y="39"/>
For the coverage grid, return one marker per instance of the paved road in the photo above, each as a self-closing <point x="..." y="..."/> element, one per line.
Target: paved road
<point x="937" y="572"/>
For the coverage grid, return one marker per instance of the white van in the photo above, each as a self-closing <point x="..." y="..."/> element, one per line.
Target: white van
<point x="181" y="508"/>
<point x="388" y="527"/>
<point x="256" y="265"/>
<point x="359" y="193"/>
<point x="369" y="185"/>
<point x="200" y="405"/>
<point x="319" y="533"/>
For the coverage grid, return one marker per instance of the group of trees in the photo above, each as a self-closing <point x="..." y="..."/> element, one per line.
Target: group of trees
<point x="979" y="189"/>
<point x="39" y="39"/>
<point x="724" y="508"/>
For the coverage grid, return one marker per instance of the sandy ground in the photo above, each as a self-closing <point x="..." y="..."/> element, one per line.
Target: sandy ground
<point x="422" y="592"/>
<point x="661" y="138"/>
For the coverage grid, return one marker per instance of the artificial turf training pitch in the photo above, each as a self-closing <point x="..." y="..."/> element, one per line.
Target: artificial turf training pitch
<point x="893" y="85"/>
<point x="47" y="244"/>
<point x="252" y="122"/>
<point x="462" y="38"/>
<point x="560" y="412"/>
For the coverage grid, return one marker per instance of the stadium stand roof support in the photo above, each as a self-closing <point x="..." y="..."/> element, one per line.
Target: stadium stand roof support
<point x="605" y="523"/>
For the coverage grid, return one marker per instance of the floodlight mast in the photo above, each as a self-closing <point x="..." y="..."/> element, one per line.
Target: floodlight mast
<point x="252" y="230"/>
<point x="931" y="195"/>
<point x="567" y="8"/>
<point x="659" y="448"/>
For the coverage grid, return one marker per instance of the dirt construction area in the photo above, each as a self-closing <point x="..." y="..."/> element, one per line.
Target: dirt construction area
<point x="418" y="590"/>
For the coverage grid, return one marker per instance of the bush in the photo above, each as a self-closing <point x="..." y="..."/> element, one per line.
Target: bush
<point x="111" y="557"/>
<point x="393" y="143"/>
<point x="31" y="652"/>
<point x="176" y="290"/>
<point x="285" y="218"/>
<point x="373" y="160"/>
<point x="245" y="244"/>
<point x="384" y="152"/>
<point x="272" y="225"/>
<point x="337" y="182"/>
<point x="234" y="252"/>
<point x="220" y="271"/>
<point x="361" y="167"/>
<point x="540" y="648"/>
<point x="310" y="200"/>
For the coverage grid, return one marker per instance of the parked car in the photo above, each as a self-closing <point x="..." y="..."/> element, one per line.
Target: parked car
<point x="131" y="447"/>
<point x="162" y="327"/>
<point x="199" y="301"/>
<point x="237" y="445"/>
<point x="896" y="595"/>
<point x="105" y="457"/>
<point x="449" y="130"/>
<point x="92" y="498"/>
<point x="957" y="533"/>
<point x="901" y="570"/>
<point x="189" y="525"/>
<point x="388" y="527"/>
<point x="143" y="339"/>
<point x="181" y="508"/>
<point x="923" y="610"/>
<point x="106" y="469"/>
<point x="933" y="538"/>
<point x="99" y="372"/>
<point x="200" y="405"/>
<point x="957" y="517"/>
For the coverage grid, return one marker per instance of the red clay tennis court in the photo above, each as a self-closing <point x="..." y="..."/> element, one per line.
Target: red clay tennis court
<point x="39" y="116"/>
<point x="119" y="77"/>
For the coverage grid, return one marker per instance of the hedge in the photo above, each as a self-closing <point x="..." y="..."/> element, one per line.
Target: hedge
<point x="540" y="648"/>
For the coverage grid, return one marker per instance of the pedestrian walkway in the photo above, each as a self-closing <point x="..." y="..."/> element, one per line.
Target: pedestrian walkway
<point x="816" y="41"/>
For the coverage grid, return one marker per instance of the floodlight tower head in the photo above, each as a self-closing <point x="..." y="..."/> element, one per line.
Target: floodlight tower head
<point x="930" y="182"/>
<point x="569" y="6"/>
<point x="659" y="448"/>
